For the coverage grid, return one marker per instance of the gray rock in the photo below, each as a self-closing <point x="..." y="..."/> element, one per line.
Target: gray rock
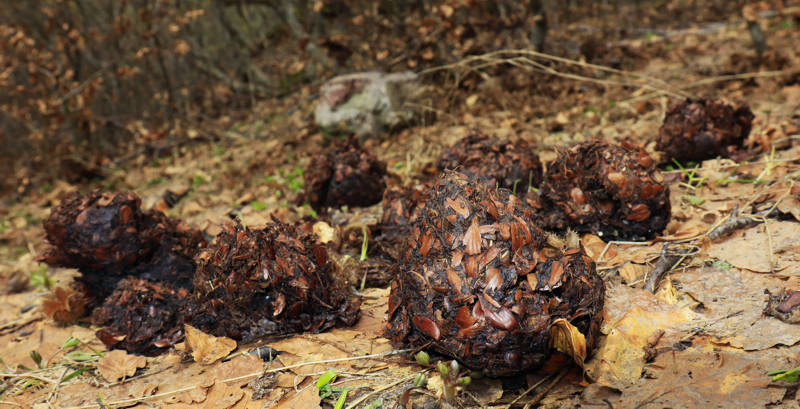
<point x="367" y="103"/>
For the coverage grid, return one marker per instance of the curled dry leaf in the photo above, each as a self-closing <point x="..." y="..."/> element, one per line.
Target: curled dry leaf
<point x="568" y="340"/>
<point x="207" y="349"/>
<point x="118" y="364"/>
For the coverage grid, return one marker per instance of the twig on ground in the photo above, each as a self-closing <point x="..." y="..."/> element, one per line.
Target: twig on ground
<point x="666" y="262"/>
<point x="27" y="375"/>
<point x="11" y="326"/>
<point x="379" y="390"/>
<point x="57" y="384"/>
<point x="547" y="389"/>
<point x="527" y="391"/>
<point x="527" y="59"/>
<point x="736" y="221"/>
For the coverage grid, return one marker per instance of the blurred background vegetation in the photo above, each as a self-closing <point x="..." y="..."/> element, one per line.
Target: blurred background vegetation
<point x="84" y="83"/>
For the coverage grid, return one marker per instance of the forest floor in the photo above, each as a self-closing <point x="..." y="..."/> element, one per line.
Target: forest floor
<point x="701" y="340"/>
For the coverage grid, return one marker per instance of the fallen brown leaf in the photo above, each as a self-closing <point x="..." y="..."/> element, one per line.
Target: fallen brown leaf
<point x="207" y="349"/>
<point x="118" y="364"/>
<point x="64" y="305"/>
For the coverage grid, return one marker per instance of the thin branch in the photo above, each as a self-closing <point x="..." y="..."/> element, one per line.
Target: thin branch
<point x="379" y="390"/>
<point x="527" y="391"/>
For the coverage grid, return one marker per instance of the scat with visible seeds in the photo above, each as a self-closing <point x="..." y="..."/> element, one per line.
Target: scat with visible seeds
<point x="477" y="285"/>
<point x="611" y="190"/>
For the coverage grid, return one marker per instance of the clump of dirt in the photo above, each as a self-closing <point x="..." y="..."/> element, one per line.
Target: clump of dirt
<point x="700" y="129"/>
<point x="611" y="190"/>
<point x="479" y="285"/>
<point x="277" y="280"/>
<point x="500" y="162"/>
<point x="142" y="316"/>
<point x="784" y="306"/>
<point x="346" y="175"/>
<point x="108" y="237"/>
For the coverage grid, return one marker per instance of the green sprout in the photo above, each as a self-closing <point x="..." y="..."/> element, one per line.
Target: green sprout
<point x="310" y="210"/>
<point x="198" y="181"/>
<point x="156" y="181"/>
<point x="725" y="182"/>
<point x="342" y="398"/>
<point x="788" y="375"/>
<point x="530" y="182"/>
<point x="376" y="404"/>
<point x="294" y="180"/>
<point x="420" y="380"/>
<point x="451" y="380"/>
<point x="37" y="358"/>
<point x="326" y="391"/>
<point x="721" y="264"/>
<point x="694" y="200"/>
<point x="692" y="180"/>
<point x="40" y="279"/>
<point x="422" y="358"/>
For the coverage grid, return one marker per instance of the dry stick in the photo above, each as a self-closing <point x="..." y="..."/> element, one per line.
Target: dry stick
<point x="547" y="389"/>
<point x="379" y="390"/>
<point x="527" y="391"/>
<point x="666" y="262"/>
<point x="735" y="222"/>
<point x="10" y="326"/>
<point x="24" y="375"/>
<point x="250" y="375"/>
<point x="502" y="57"/>
<point x="577" y="77"/>
<point x="57" y="385"/>
<point x="745" y="75"/>
<point x="527" y="52"/>
<point x="769" y="244"/>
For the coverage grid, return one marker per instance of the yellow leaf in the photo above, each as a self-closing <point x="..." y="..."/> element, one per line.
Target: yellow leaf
<point x="565" y="338"/>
